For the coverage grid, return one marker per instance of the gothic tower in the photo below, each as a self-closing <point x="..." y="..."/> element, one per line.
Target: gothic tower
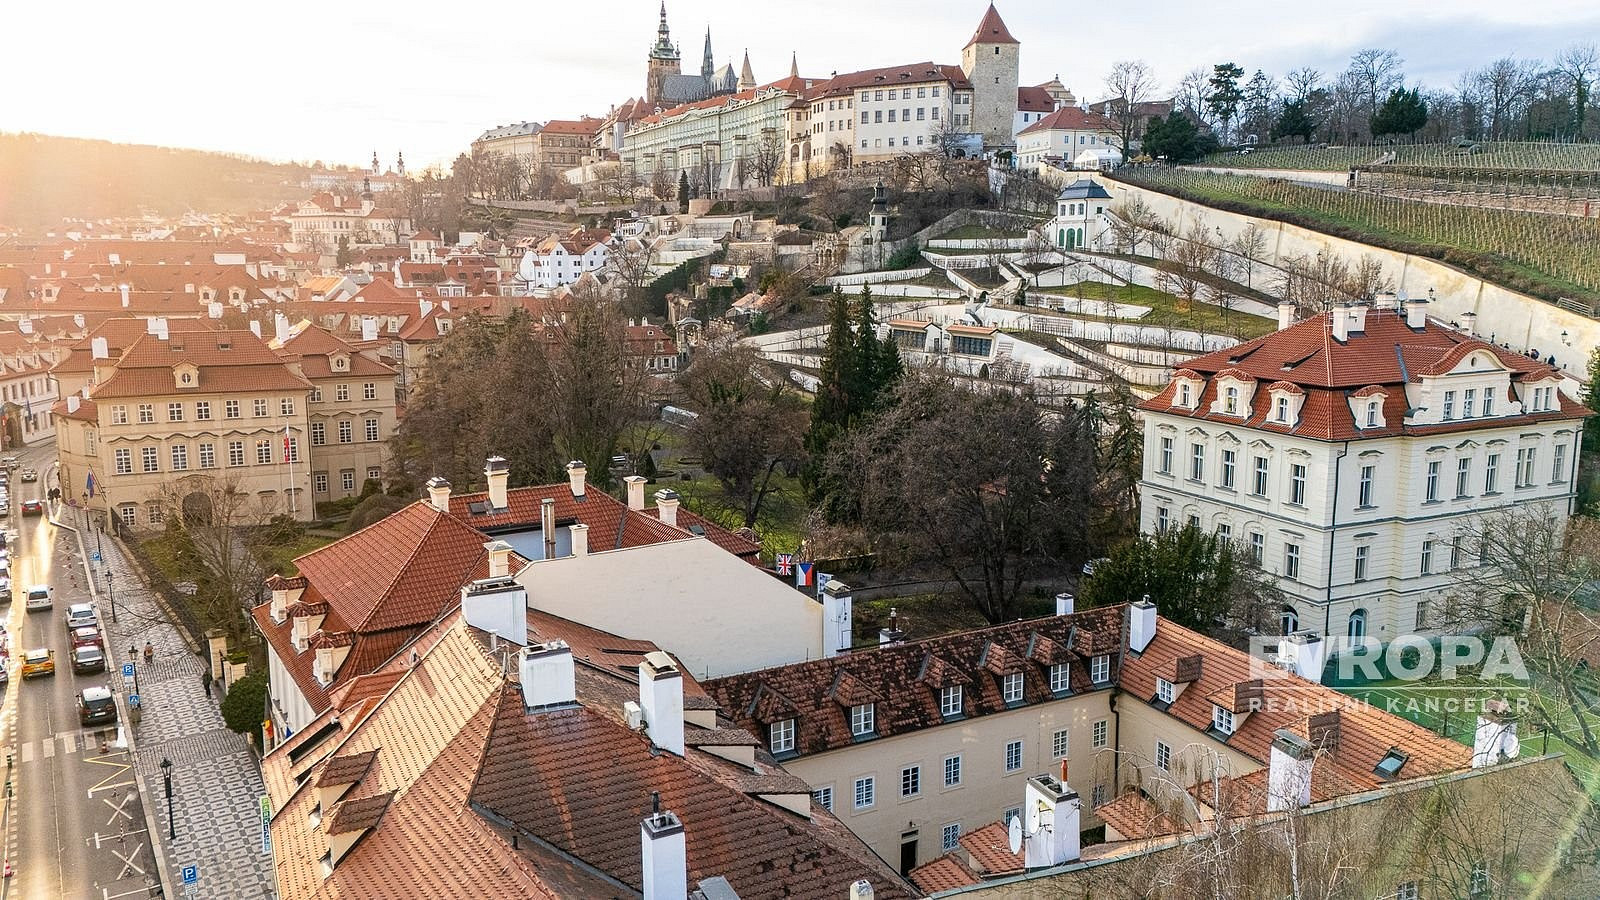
<point x="707" y="67"/>
<point x="747" y="78"/>
<point x="990" y="62"/>
<point x="663" y="60"/>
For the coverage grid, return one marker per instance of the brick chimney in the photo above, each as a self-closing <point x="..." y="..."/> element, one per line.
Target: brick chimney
<point x="664" y="855"/>
<point x="498" y="606"/>
<point x="892" y="634"/>
<point x="838" y="618"/>
<point x="661" y="699"/>
<point x="1289" y="771"/>
<point x="1052" y="814"/>
<point x="577" y="474"/>
<point x="636" y="485"/>
<point x="497" y="472"/>
<point x="548" y="677"/>
<point x="667" y="506"/>
<point x="439" y="493"/>
<point x="1141" y="624"/>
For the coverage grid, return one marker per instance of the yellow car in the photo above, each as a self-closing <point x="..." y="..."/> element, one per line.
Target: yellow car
<point x="38" y="662"/>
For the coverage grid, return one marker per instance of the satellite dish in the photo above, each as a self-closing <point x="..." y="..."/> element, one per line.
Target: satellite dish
<point x="1014" y="834"/>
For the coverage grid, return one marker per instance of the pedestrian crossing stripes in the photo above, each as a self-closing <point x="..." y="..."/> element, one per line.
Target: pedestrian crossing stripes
<point x="69" y="743"/>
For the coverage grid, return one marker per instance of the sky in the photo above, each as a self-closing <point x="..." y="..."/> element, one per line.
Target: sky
<point x="335" y="80"/>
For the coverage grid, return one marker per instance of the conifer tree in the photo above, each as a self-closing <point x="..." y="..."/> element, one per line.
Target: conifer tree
<point x="832" y="411"/>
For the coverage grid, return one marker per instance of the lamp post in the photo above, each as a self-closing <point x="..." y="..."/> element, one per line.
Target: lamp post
<point x="113" y="595"/>
<point x="166" y="776"/>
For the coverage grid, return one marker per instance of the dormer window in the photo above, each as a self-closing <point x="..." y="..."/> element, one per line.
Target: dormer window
<point x="1372" y="414"/>
<point x="1185" y="395"/>
<point x="1287" y="399"/>
<point x="1164" y="691"/>
<point x="950" y="701"/>
<point x="1281" y="409"/>
<point x="1011" y="687"/>
<point x="1222" y="719"/>
<point x="1060" y="681"/>
<point x="1230" y="400"/>
<point x="780" y="736"/>
<point x="863" y="720"/>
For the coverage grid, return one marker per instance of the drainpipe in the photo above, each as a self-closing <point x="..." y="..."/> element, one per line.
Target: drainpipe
<point x="1333" y="534"/>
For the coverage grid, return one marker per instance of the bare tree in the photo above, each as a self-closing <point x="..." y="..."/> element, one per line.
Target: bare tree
<point x="1249" y="245"/>
<point x="1302" y="83"/>
<point x="1579" y="64"/>
<point x="768" y="157"/>
<point x="1194" y="93"/>
<point x="630" y="258"/>
<point x="1376" y="72"/>
<point x="662" y="184"/>
<point x="1130" y="83"/>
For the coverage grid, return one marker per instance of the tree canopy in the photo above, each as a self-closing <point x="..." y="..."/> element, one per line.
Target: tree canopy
<point x="1176" y="139"/>
<point x="1404" y="112"/>
<point x="1196" y="578"/>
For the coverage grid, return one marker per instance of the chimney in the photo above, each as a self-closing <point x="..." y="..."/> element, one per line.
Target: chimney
<point x="577" y="473"/>
<point x="280" y="327"/>
<point x="255" y="328"/>
<point x="150" y="325"/>
<point x="1385" y="300"/>
<point x="664" y="854"/>
<point x="1064" y="604"/>
<point x="1052" y="814"/>
<point x="439" y="493"/>
<point x="892" y="634"/>
<point x="547" y="526"/>
<point x="1417" y="313"/>
<point x="497" y="471"/>
<point x="1341" y="322"/>
<point x="1323" y="730"/>
<point x="667" y="506"/>
<point x="838" y="618"/>
<point x="1285" y="315"/>
<point x="1141" y="624"/>
<point x="1496" y="738"/>
<point x="497" y="604"/>
<point x="862" y="890"/>
<point x="72" y="403"/>
<point x="635" y="491"/>
<point x="499" y="558"/>
<point x="579" y="533"/>
<point x="214" y="310"/>
<point x="98" y="348"/>
<point x="661" y="698"/>
<point x="161" y="327"/>
<point x="124" y="289"/>
<point x="1289" y="771"/>
<point x="369" y="328"/>
<point x="1469" y="324"/>
<point x="1303" y="653"/>
<point x="77" y="320"/>
<point x="547" y="676"/>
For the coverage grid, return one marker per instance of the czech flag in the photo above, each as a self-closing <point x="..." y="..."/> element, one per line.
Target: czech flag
<point x="805" y="575"/>
<point x="88" y="483"/>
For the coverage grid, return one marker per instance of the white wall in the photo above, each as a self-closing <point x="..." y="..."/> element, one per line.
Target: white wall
<point x="716" y="613"/>
<point x="297" y="712"/>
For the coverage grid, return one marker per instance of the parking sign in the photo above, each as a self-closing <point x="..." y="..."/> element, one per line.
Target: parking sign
<point x="191" y="875"/>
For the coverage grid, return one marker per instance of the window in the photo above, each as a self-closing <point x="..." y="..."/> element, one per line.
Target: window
<point x="1225" y="531"/>
<point x="1357" y="627"/>
<point x="1524" y="473"/>
<point x="1491" y="473"/>
<point x="347" y="480"/>
<point x="1288" y="620"/>
<point x="119" y="415"/>
<point x="1283" y="409"/>
<point x="374" y="473"/>
<point x="369" y="390"/>
<point x="202" y="410"/>
<point x="1558" y="465"/>
<point x="286" y="406"/>
<point x="1164" y="460"/>
<point x="1427" y="557"/>
<point x="230" y="409"/>
<point x="865" y="793"/>
<point x="1099" y="733"/>
<point x="346" y="431"/>
<point x="1362" y="553"/>
<point x="862" y="721"/>
<point x="1060" y="678"/>
<point x="319" y="482"/>
<point x="1098" y="795"/>
<point x="208" y="456"/>
<point x="1421" y="621"/>
<point x="124" y="459"/>
<point x="1100" y="668"/>
<point x="1372" y="414"/>
<point x="1407" y="890"/>
<point x="823" y="797"/>
<point x="1297" y="484"/>
<point x="1013" y="756"/>
<point x="149" y="457"/>
<point x="1222" y="719"/>
<point x="236" y="453"/>
<point x="1488" y="401"/>
<point x="180" y="457"/>
<point x="147" y="413"/>
<point x="1291" y="560"/>
<point x="1230" y="401"/>
<point x="129" y="514"/>
<point x="1164" y="691"/>
<point x="174" y="412"/>
<point x="1163" y="755"/>
<point x="1449" y="405"/>
<point x="780" y="736"/>
<point x="1463" y="476"/>
<point x="316" y="395"/>
<point x="341" y="392"/>
<point x="1058" y="744"/>
<point x="950" y="701"/>
<point x="1011" y="688"/>
<point x="950" y="837"/>
<point x="1455" y="552"/>
<point x="1163" y="519"/>
<point x="319" y="434"/>
<point x="1431" y="493"/>
<point x="1227" y="468"/>
<point x="1364" y="495"/>
<point x="154" y="512"/>
<point x="910" y="781"/>
<point x="1259" y="488"/>
<point x="952" y="770"/>
<point x="1197" y="462"/>
<point x="258" y="408"/>
<point x="1184" y="396"/>
<point x="372" y="429"/>
<point x="1469" y="399"/>
<point x="1258" y="547"/>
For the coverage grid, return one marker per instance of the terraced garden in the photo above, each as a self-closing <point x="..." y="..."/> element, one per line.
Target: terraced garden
<point x="1487" y="155"/>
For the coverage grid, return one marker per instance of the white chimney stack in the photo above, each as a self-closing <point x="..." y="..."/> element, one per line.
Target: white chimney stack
<point x="661" y="698"/>
<point x="577" y="474"/>
<point x="838" y="618"/>
<point x="369" y="328"/>
<point x="1341" y="322"/>
<point x="124" y="290"/>
<point x="1496" y="738"/>
<point x="1052" y="814"/>
<point x="1289" y="772"/>
<point x="280" y="327"/>
<point x="25" y="325"/>
<point x="1303" y="653"/>
<point x="214" y="310"/>
<point x="77" y="320"/>
<point x="664" y="855"/>
<point x="636" y="485"/>
<point x="1469" y="323"/>
<point x="667" y="506"/>
<point x="498" y="472"/>
<point x="161" y="328"/>
<point x="1064" y="604"/>
<point x="255" y="328"/>
<point x="579" y="534"/>
<point x="439" y="493"/>
<point x="150" y="325"/>
<point x="862" y="890"/>
<point x="548" y="676"/>
<point x="1141" y="624"/>
<point x="499" y="558"/>
<point x="1285" y="315"/>
<point x="1416" y="313"/>
<point x="497" y="604"/>
<point x="99" y="349"/>
<point x="72" y="403"/>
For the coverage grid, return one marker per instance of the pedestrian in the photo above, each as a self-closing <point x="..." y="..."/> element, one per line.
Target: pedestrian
<point x="205" y="678"/>
<point x="149" y="653"/>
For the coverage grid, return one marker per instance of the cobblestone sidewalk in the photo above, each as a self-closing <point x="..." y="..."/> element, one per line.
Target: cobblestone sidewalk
<point x="216" y="781"/>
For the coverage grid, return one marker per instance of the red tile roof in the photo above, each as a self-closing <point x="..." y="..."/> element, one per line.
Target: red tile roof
<point x="992" y="30"/>
<point x="990" y="847"/>
<point x="227" y="361"/>
<point x="612" y="526"/>
<point x="1070" y="118"/>
<point x="1034" y="99"/>
<point x="892" y="76"/>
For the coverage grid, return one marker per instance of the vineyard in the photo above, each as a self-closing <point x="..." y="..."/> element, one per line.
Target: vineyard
<point x="1549" y="256"/>
<point x="1565" y="193"/>
<point x="1539" y="155"/>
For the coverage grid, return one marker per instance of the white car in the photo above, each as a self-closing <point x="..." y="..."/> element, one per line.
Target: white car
<point x="81" y="615"/>
<point x="41" y="596"/>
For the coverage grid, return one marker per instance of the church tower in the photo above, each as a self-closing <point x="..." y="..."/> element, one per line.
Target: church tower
<point x="663" y="61"/>
<point x="707" y="67"/>
<point x="990" y="62"/>
<point x="747" y="78"/>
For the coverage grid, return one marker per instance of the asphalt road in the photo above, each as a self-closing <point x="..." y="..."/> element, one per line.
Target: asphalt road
<point x="74" y="827"/>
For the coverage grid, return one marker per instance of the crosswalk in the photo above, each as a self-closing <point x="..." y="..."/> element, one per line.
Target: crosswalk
<point x="66" y="743"/>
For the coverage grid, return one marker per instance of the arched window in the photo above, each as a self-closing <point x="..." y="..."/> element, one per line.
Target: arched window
<point x="1288" y="621"/>
<point x="1061" y="237"/>
<point x="1358" y="625"/>
<point x="1072" y="238"/>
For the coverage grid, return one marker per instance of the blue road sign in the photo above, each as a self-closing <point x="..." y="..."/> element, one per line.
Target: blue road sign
<point x="133" y="699"/>
<point x="127" y="670"/>
<point x="191" y="875"/>
<point x="95" y="555"/>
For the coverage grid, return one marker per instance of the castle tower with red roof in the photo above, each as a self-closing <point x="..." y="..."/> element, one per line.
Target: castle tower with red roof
<point x="990" y="62"/>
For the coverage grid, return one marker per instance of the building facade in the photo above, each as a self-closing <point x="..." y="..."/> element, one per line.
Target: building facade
<point x="1063" y="135"/>
<point x="350" y="410"/>
<point x="989" y="61"/>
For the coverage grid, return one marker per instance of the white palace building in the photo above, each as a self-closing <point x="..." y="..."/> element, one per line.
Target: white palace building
<point x="1350" y="452"/>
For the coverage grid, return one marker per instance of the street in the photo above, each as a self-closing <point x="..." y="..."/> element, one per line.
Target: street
<point x="74" y="826"/>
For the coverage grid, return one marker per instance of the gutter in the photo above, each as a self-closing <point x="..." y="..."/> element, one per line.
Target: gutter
<point x="1333" y="535"/>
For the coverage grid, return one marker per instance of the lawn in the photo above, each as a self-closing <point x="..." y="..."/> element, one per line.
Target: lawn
<point x="1166" y="310"/>
<point x="979" y="233"/>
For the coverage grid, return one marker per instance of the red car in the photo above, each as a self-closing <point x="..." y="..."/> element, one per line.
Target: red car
<point x="87" y="636"/>
<point x="32" y="508"/>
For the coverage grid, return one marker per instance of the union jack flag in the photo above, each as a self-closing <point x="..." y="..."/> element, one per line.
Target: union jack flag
<point x="785" y="564"/>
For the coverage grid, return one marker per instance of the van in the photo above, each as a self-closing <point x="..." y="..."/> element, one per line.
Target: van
<point x="96" y="706"/>
<point x="40" y="596"/>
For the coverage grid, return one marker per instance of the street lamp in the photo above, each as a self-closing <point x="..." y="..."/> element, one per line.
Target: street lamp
<point x="113" y="595"/>
<point x="166" y="776"/>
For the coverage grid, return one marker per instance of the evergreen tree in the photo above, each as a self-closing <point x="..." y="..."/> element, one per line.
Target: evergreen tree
<point x="1404" y="112"/>
<point x="832" y="410"/>
<point x="1591" y="397"/>
<point x="683" y="191"/>
<point x="1225" y="93"/>
<point x="1294" y="122"/>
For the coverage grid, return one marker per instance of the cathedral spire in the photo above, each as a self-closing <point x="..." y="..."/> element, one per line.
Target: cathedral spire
<point x="794" y="65"/>
<point x="707" y="67"/>
<point x="663" y="48"/>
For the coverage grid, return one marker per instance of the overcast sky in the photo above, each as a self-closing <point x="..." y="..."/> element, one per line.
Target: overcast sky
<point x="304" y="80"/>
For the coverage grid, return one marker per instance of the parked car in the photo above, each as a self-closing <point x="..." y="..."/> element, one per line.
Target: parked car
<point x="5" y="672"/>
<point x="5" y="589"/>
<point x="96" y="706"/>
<point x="41" y="596"/>
<point x="28" y="474"/>
<point x="38" y="662"/>
<point x="9" y="462"/>
<point x="80" y="615"/>
<point x="88" y="660"/>
<point x="33" y="507"/>
<point x="87" y="636"/>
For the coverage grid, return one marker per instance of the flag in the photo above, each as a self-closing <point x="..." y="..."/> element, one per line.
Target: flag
<point x="786" y="564"/>
<point x="27" y="405"/>
<point x="804" y="574"/>
<point x="822" y="582"/>
<point x="88" y="483"/>
<point x="285" y="444"/>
